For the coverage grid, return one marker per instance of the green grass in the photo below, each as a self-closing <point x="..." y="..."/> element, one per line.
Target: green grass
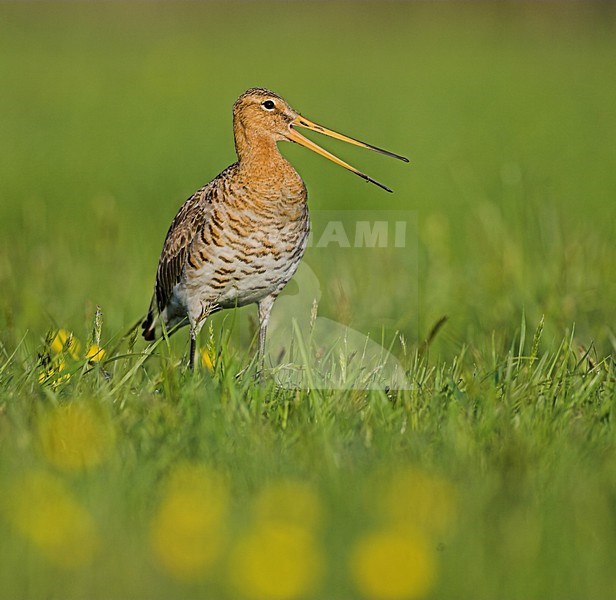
<point x="492" y="476"/>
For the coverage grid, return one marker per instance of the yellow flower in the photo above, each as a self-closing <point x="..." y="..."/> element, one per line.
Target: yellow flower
<point x="188" y="530"/>
<point x="416" y="500"/>
<point x="95" y="353"/>
<point x="41" y="508"/>
<point x="65" y="341"/>
<point x="54" y="374"/>
<point x="76" y="436"/>
<point x="206" y="359"/>
<point x="392" y="565"/>
<point x="289" y="501"/>
<point x="275" y="561"/>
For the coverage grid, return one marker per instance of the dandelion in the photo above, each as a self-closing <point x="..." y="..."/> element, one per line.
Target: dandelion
<point x="275" y="561"/>
<point x="65" y="341"/>
<point x="62" y="344"/>
<point x="76" y="436"/>
<point x="54" y="372"/>
<point x="44" y="511"/>
<point x="188" y="530"/>
<point x="392" y="565"/>
<point x="279" y="558"/>
<point x="207" y="360"/>
<point x="95" y="353"/>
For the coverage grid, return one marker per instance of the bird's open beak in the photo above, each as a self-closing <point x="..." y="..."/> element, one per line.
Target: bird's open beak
<point x="295" y="136"/>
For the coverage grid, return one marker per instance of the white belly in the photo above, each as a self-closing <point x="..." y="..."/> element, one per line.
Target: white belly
<point x="226" y="283"/>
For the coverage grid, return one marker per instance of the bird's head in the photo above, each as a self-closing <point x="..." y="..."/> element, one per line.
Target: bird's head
<point x="260" y="113"/>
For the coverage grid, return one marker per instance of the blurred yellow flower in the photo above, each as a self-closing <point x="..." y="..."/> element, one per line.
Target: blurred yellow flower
<point x="275" y="561"/>
<point x="76" y="436"/>
<point x="416" y="500"/>
<point x="44" y="511"/>
<point x="54" y="373"/>
<point x="206" y="359"/>
<point x="289" y="501"/>
<point x="95" y="353"/>
<point x="188" y="530"/>
<point x="65" y="341"/>
<point x="392" y="565"/>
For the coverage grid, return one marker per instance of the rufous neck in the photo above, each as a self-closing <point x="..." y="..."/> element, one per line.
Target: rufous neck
<point x="257" y="151"/>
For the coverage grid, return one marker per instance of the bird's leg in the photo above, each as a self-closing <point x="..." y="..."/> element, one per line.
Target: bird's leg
<point x="196" y="323"/>
<point x="193" y="348"/>
<point x="265" y="309"/>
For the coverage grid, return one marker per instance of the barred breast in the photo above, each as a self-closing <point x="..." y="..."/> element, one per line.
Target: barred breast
<point x="248" y="247"/>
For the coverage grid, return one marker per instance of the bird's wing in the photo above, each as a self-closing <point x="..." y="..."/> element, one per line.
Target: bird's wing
<point x="189" y="220"/>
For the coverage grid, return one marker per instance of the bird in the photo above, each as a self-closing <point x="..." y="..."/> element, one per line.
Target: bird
<point x="239" y="239"/>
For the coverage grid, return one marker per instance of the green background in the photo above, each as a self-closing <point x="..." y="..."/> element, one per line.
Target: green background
<point x="111" y="114"/>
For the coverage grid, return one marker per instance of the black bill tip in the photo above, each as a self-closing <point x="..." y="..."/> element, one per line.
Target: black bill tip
<point x="387" y="152"/>
<point x="369" y="179"/>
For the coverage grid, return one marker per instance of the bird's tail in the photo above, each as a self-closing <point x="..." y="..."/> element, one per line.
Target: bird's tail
<point x="149" y="323"/>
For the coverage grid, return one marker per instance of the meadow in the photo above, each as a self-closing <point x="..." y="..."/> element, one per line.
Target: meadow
<point x="490" y="474"/>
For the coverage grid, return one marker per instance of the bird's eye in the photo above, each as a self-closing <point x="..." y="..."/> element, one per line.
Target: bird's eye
<point x="268" y="105"/>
